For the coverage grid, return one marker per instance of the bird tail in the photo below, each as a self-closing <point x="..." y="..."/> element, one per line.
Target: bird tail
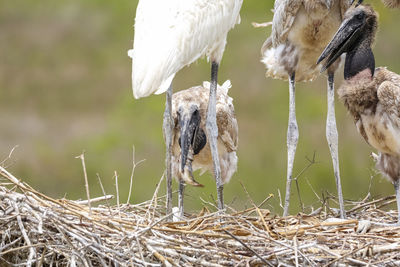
<point x="270" y="58"/>
<point x="149" y="76"/>
<point x="224" y="88"/>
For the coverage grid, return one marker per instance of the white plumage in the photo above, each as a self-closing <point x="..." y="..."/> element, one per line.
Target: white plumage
<point x="172" y="34"/>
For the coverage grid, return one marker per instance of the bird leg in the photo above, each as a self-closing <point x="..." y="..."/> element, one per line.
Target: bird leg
<point x="168" y="128"/>
<point x="332" y="138"/>
<point x="180" y="197"/>
<point x="397" y="189"/>
<point x="212" y="131"/>
<point x="292" y="138"/>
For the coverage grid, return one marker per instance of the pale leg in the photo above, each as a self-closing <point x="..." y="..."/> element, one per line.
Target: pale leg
<point x="168" y="128"/>
<point x="180" y="198"/>
<point x="212" y="132"/>
<point x="332" y="138"/>
<point x="397" y="189"/>
<point x="292" y="138"/>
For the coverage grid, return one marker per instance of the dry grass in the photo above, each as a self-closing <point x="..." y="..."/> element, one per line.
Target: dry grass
<point x="39" y="230"/>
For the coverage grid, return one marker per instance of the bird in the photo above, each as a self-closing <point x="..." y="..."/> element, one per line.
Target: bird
<point x="190" y="143"/>
<point x="300" y="31"/>
<point x="170" y="35"/>
<point x="387" y="3"/>
<point x="371" y="95"/>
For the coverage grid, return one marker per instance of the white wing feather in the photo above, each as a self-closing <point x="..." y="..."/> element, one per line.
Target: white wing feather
<point x="172" y="34"/>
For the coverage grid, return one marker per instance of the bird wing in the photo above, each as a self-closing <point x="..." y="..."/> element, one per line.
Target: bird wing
<point x="227" y="123"/>
<point x="172" y="34"/>
<point x="392" y="3"/>
<point x="284" y="15"/>
<point x="389" y="95"/>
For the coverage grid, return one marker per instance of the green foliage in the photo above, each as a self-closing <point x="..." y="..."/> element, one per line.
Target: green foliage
<point x="65" y="87"/>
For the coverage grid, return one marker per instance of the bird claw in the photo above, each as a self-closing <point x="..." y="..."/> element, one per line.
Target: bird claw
<point x="363" y="226"/>
<point x="188" y="178"/>
<point x="193" y="182"/>
<point x="176" y="215"/>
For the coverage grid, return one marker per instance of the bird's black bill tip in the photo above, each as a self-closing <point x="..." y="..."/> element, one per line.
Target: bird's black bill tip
<point x="359" y="2"/>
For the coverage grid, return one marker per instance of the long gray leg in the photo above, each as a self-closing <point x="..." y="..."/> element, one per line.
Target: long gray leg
<point x="168" y="128"/>
<point x="180" y="198"/>
<point x="292" y="138"/>
<point x="332" y="137"/>
<point x="212" y="131"/>
<point x="397" y="189"/>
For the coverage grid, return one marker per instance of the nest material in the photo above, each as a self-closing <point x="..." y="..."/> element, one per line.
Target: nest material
<point x="42" y="231"/>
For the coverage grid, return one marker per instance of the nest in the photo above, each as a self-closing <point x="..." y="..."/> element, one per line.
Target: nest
<point x="42" y="231"/>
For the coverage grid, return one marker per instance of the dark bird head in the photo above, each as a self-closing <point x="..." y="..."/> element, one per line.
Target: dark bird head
<point x="192" y="138"/>
<point x="354" y="37"/>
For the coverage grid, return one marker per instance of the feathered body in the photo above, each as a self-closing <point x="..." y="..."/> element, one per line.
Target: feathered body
<point x="201" y="158"/>
<point x="392" y="3"/>
<point x="300" y="31"/>
<point x="172" y="34"/>
<point x="372" y="95"/>
<point x="387" y="3"/>
<point x="375" y="105"/>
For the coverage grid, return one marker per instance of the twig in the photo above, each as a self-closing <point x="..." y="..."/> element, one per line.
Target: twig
<point x="104" y="192"/>
<point x="247" y="247"/>
<point x="32" y="251"/>
<point x="310" y="163"/>
<point x="82" y="157"/>
<point x="134" y="164"/>
<point x="9" y="155"/>
<point x="117" y="191"/>
<point x="261" y="25"/>
<point x="93" y="200"/>
<point x="296" y="256"/>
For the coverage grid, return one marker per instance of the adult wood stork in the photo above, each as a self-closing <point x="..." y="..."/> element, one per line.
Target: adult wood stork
<point x="170" y="35"/>
<point x="190" y="147"/>
<point x="387" y="3"/>
<point x="300" y="31"/>
<point x="371" y="95"/>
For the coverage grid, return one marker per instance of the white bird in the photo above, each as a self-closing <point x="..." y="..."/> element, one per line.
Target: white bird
<point x="170" y="35"/>
<point x="190" y="143"/>
<point x="300" y="31"/>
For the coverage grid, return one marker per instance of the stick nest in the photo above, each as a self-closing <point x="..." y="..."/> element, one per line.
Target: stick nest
<point x="42" y="231"/>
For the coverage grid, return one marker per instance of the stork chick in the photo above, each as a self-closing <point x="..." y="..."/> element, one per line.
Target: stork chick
<point x="371" y="95"/>
<point x="190" y="143"/>
<point x="300" y="31"/>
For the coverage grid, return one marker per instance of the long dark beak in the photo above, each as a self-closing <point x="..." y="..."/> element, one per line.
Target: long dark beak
<point x="359" y="2"/>
<point x="346" y="36"/>
<point x="188" y="124"/>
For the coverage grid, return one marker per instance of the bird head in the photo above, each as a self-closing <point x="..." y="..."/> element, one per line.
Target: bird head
<point x="189" y="118"/>
<point x="358" y="28"/>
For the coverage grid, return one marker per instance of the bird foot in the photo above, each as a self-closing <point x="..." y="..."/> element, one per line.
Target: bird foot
<point x="364" y="225"/>
<point x="193" y="182"/>
<point x="188" y="178"/>
<point x="177" y="215"/>
<point x="187" y="174"/>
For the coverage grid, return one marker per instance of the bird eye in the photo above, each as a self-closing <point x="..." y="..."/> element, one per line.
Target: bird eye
<point x="360" y="16"/>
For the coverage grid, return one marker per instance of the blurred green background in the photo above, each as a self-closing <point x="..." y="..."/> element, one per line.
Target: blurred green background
<point x="65" y="87"/>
